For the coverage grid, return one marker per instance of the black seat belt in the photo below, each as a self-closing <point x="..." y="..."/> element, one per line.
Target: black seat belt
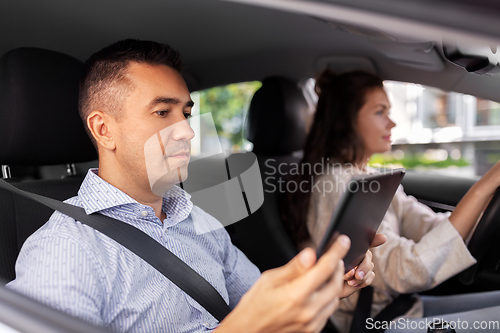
<point x="398" y="307"/>
<point x="167" y="263"/>
<point x="362" y="310"/>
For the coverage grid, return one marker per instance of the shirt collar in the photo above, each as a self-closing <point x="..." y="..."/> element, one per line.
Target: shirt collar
<point x="97" y="194"/>
<point x="177" y="205"/>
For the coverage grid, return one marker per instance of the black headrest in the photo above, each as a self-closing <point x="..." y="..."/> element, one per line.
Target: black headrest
<point x="39" y="121"/>
<point x="276" y="122"/>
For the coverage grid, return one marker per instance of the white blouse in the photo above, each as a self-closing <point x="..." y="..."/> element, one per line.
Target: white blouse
<point x="422" y="250"/>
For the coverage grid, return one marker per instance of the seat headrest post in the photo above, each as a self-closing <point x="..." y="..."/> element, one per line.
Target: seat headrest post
<point x="6" y="172"/>
<point x="70" y="170"/>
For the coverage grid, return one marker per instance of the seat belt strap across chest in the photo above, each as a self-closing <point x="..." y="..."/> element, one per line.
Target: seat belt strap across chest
<point x="162" y="259"/>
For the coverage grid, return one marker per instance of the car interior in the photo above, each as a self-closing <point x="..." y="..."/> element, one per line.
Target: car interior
<point x="33" y="79"/>
<point x="45" y="150"/>
<point x="277" y="128"/>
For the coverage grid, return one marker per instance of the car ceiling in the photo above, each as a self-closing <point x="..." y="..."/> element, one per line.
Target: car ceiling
<point x="232" y="41"/>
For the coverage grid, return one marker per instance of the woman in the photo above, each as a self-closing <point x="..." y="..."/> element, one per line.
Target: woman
<point x="423" y="248"/>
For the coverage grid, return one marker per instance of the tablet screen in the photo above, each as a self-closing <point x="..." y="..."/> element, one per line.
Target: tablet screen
<point x="360" y="212"/>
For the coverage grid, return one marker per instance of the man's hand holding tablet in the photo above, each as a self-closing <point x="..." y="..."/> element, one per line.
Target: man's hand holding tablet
<point x="358" y="215"/>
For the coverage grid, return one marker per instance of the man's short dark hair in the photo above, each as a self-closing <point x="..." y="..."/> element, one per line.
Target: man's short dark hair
<point x="104" y="84"/>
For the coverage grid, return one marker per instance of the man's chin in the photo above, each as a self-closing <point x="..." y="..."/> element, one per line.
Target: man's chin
<point x="182" y="173"/>
<point x="168" y="180"/>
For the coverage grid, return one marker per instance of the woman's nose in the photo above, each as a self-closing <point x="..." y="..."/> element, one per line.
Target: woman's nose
<point x="391" y="123"/>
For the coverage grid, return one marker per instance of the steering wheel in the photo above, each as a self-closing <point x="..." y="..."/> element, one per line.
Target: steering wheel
<point x="486" y="236"/>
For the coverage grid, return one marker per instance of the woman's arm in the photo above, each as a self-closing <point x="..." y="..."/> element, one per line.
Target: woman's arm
<point x="405" y="265"/>
<point x="423" y="249"/>
<point x="474" y="201"/>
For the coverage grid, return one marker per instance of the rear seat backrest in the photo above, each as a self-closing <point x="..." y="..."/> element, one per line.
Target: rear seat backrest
<point x="277" y="127"/>
<point x="277" y="124"/>
<point x="40" y="126"/>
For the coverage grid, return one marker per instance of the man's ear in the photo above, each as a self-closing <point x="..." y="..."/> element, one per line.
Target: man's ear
<point x="99" y="124"/>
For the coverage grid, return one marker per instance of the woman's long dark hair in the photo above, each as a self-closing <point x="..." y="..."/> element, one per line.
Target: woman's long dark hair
<point x="333" y="137"/>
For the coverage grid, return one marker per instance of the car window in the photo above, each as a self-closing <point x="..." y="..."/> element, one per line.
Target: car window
<point x="228" y="106"/>
<point x="441" y="131"/>
<point x="437" y="131"/>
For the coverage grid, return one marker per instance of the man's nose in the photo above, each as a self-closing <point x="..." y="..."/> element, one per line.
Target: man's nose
<point x="182" y="131"/>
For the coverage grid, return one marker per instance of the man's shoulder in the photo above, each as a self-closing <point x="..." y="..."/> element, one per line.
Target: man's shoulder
<point x="60" y="225"/>
<point x="205" y="223"/>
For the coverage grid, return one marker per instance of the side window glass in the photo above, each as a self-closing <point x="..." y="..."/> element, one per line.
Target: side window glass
<point x="228" y="106"/>
<point x="442" y="132"/>
<point x="437" y="131"/>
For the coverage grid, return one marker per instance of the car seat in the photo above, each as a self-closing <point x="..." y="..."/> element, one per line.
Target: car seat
<point x="276" y="126"/>
<point x="40" y="126"/>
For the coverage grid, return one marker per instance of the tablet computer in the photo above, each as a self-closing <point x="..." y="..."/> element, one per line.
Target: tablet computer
<point x="360" y="212"/>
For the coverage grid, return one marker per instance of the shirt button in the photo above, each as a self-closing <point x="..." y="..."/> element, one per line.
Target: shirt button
<point x="144" y="213"/>
<point x="165" y="231"/>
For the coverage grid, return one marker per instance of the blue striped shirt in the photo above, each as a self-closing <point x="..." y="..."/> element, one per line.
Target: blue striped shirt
<point x="84" y="273"/>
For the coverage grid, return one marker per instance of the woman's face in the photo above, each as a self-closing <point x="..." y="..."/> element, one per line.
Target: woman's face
<point x="373" y="123"/>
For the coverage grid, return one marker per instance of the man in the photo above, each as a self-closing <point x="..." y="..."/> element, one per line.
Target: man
<point x="132" y="94"/>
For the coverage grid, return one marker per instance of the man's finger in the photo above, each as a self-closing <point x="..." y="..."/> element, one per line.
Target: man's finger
<point x="331" y="289"/>
<point x="295" y="267"/>
<point x="326" y="266"/>
<point x="337" y="251"/>
<point x="325" y="312"/>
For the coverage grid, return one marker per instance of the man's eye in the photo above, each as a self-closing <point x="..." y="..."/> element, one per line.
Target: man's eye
<point x="162" y="113"/>
<point x="187" y="115"/>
